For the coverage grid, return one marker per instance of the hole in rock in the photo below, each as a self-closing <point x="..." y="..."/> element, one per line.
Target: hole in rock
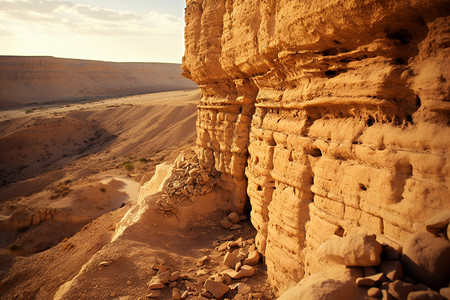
<point x="418" y="102"/>
<point x="259" y="188"/>
<point x="339" y="231"/>
<point x="290" y="157"/>
<point x="403" y="35"/>
<point x="330" y="73"/>
<point x="362" y="187"/>
<point x="256" y="161"/>
<point x="331" y="51"/>
<point x="400" y="61"/>
<point x="370" y="121"/>
<point x="316" y="152"/>
<point x="409" y="119"/>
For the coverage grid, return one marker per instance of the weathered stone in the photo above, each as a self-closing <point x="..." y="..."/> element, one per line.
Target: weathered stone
<point x="425" y="295"/>
<point x="439" y="222"/>
<point x="392" y="269"/>
<point x="400" y="289"/>
<point x="105" y="263"/>
<point x="174" y="276"/>
<point x="230" y="260"/>
<point x="252" y="258"/>
<point x="245" y="271"/>
<point x="374" y="292"/>
<point x="154" y="294"/>
<point x="155" y="283"/>
<point x="225" y="278"/>
<point x="226" y="224"/>
<point x="362" y="281"/>
<point x="164" y="277"/>
<point x="234" y="218"/>
<point x="243" y="288"/>
<point x="355" y="250"/>
<point x="216" y="288"/>
<point x="176" y="295"/>
<point x="235" y="227"/>
<point x="427" y="259"/>
<point x="184" y="295"/>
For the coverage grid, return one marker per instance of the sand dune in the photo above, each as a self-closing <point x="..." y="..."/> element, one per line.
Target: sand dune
<point x="38" y="79"/>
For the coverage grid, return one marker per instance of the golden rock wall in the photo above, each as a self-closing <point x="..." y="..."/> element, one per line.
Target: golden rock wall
<point x="331" y="116"/>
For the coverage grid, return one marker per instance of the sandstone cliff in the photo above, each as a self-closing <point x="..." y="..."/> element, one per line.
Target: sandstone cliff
<point x="330" y="116"/>
<point x="35" y="80"/>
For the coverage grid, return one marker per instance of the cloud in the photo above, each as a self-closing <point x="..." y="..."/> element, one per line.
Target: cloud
<point x="60" y="17"/>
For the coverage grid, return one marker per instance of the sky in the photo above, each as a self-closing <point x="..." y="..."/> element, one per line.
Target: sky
<point x="109" y="30"/>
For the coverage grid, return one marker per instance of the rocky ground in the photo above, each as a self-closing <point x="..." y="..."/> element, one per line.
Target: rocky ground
<point x="64" y="189"/>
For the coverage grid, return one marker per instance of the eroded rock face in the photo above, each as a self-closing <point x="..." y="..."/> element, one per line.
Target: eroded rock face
<point x="331" y="116"/>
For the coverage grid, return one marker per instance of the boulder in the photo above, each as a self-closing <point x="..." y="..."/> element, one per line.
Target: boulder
<point x="331" y="284"/>
<point x="355" y="250"/>
<point x="427" y="259"/>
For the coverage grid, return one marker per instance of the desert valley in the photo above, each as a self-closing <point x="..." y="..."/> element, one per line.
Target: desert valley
<point x="304" y="155"/>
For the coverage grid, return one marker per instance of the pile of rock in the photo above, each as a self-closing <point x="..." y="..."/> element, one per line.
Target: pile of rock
<point x="240" y="257"/>
<point x="188" y="181"/>
<point x="231" y="221"/>
<point x="164" y="277"/>
<point x="422" y="271"/>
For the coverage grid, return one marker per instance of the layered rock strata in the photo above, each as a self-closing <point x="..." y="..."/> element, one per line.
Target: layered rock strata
<point x="332" y="117"/>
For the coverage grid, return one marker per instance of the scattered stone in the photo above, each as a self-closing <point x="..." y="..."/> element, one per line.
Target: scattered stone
<point x="235" y="227"/>
<point x="216" y="288"/>
<point x="252" y="258"/>
<point x="243" y="288"/>
<point x="236" y="243"/>
<point x="234" y="218"/>
<point x="105" y="263"/>
<point x="184" y="294"/>
<point x="206" y="294"/>
<point x="202" y="261"/>
<point x="176" y="294"/>
<point x="155" y="283"/>
<point x="362" y="281"/>
<point x="400" y="289"/>
<point x="377" y="278"/>
<point x="174" y="276"/>
<point x="230" y="260"/>
<point x="173" y="284"/>
<point x="386" y="296"/>
<point x="425" y="295"/>
<point x="226" y="224"/>
<point x="392" y="269"/>
<point x="223" y="247"/>
<point x="245" y="271"/>
<point x="231" y="272"/>
<point x="439" y="222"/>
<point x="257" y="295"/>
<point x="427" y="259"/>
<point x="226" y="237"/>
<point x="238" y="266"/>
<point x="154" y="294"/>
<point x="164" y="277"/>
<point x="374" y="292"/>
<point x="225" y="278"/>
<point x="354" y="250"/>
<point x="202" y="278"/>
